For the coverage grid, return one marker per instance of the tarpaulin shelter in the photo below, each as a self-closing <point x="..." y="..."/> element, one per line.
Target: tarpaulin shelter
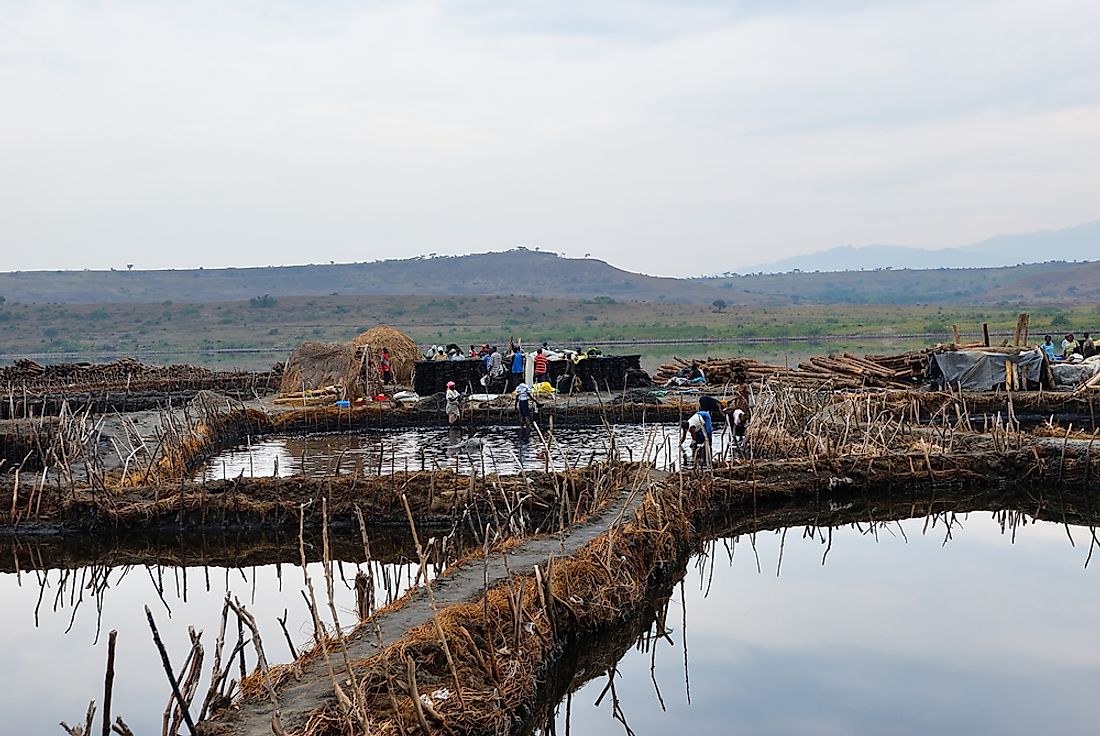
<point x="986" y="370"/>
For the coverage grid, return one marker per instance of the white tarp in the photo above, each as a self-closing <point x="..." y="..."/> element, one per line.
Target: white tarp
<point x="1074" y="374"/>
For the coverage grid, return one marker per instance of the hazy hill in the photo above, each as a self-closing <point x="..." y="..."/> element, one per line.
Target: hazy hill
<point x="525" y="273"/>
<point x="1080" y="243"/>
<point x="511" y="272"/>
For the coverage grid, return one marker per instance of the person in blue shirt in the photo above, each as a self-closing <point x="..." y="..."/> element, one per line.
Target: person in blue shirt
<point x="517" y="368"/>
<point x="1048" y="348"/>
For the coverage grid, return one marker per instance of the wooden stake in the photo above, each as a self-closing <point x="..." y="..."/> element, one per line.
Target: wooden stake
<point x="108" y="682"/>
<point x="168" y="671"/>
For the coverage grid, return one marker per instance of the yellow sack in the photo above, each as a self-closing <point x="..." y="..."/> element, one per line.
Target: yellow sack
<point x="543" y="388"/>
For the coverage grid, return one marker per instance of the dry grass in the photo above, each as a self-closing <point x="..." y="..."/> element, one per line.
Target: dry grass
<point x="404" y="351"/>
<point x="318" y="365"/>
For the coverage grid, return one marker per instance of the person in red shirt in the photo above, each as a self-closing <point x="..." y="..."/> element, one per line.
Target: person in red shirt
<point x="384" y="367"/>
<point x="541" y="364"/>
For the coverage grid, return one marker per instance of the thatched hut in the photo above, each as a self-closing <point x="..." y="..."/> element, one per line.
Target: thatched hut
<point x="403" y="350"/>
<point x="332" y="367"/>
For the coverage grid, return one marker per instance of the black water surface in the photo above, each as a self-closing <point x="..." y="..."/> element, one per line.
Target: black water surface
<point x="504" y="449"/>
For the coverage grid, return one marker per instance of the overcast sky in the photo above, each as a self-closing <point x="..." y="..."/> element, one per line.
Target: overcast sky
<point x="673" y="138"/>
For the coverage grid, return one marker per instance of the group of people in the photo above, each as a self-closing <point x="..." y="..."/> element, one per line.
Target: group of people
<point x="700" y="426"/>
<point x="524" y="399"/>
<point x="503" y="369"/>
<point x="1070" y="347"/>
<point x="508" y="368"/>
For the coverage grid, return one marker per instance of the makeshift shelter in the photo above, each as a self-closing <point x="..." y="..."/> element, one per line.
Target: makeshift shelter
<point x="986" y="370"/>
<point x="327" y="368"/>
<point x="403" y="350"/>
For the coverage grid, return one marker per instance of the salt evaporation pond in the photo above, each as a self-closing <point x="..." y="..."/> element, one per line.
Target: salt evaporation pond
<point x="895" y="634"/>
<point x="912" y="634"/>
<point x="503" y="449"/>
<point x="54" y="626"/>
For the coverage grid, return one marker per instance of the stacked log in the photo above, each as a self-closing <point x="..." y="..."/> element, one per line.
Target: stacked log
<point x="125" y="373"/>
<point x="722" y="370"/>
<point x="873" y="371"/>
<point x="30" y="389"/>
<point x="841" y="370"/>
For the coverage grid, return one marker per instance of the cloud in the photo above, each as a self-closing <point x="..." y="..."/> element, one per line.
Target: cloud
<point x="251" y="133"/>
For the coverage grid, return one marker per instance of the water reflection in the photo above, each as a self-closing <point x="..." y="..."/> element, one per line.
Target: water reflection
<point x="54" y="621"/>
<point x="495" y="449"/>
<point x="928" y="624"/>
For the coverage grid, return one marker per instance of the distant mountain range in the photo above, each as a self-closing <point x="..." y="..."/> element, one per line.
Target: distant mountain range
<point x="1080" y="243"/>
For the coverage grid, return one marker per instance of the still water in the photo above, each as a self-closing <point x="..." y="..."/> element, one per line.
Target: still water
<point x="503" y="449"/>
<point x="900" y="630"/>
<point x="54" y="625"/>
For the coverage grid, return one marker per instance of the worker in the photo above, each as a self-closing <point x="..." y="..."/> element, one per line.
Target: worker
<point x="1048" y="348"/>
<point x="517" y="367"/>
<point x="712" y="406"/>
<point x="1069" y="347"/>
<point x="524" y="397"/>
<point x="701" y="429"/>
<point x="740" y="421"/>
<point x="385" y="368"/>
<point x="454" y="403"/>
<point x="1088" y="346"/>
<point x="496" y="366"/>
<point x="541" y="364"/>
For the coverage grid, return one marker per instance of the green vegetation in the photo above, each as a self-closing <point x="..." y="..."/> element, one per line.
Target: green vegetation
<point x="125" y="329"/>
<point x="548" y="276"/>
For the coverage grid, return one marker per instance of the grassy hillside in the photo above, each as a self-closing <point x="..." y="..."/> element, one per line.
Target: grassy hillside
<point x="546" y="275"/>
<point x="282" y="323"/>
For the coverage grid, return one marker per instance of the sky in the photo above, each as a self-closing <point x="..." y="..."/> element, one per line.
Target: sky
<point x="670" y="138"/>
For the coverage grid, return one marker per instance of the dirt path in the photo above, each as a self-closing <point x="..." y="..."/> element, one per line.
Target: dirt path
<point x="462" y="584"/>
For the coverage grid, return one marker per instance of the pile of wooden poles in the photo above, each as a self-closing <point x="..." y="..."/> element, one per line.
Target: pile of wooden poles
<point x="842" y="370"/>
<point x="879" y="371"/>
<point x="127" y="374"/>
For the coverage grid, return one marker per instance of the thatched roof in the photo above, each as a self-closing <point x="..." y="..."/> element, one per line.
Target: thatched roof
<point x="318" y="365"/>
<point x="404" y="351"/>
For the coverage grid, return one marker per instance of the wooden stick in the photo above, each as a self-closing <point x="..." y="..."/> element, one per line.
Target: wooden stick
<point x="108" y="682"/>
<point x="168" y="671"/>
<point x="414" y="693"/>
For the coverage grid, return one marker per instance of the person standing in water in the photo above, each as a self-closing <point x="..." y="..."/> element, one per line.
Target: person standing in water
<point x="523" y="405"/>
<point x="701" y="429"/>
<point x="454" y="403"/>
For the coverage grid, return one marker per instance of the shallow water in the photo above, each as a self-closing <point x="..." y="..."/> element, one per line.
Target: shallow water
<point x="896" y="634"/>
<point x="54" y="625"/>
<point x="503" y="449"/>
<point x="901" y="630"/>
